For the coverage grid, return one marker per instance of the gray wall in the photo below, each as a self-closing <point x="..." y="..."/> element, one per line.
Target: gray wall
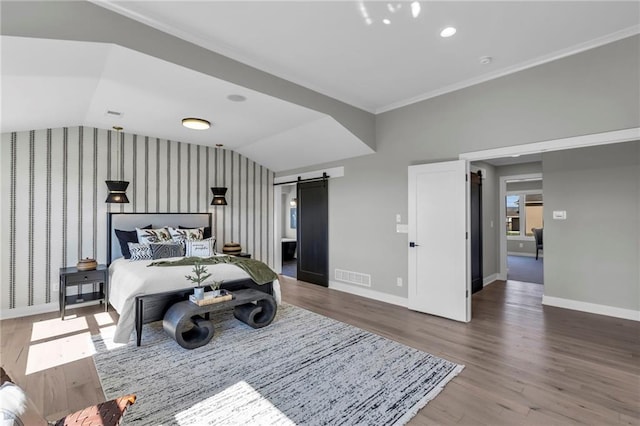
<point x="528" y="247"/>
<point x="53" y="210"/>
<point x="590" y="92"/>
<point x="593" y="255"/>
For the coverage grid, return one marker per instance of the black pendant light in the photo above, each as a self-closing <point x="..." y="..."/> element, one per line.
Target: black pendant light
<point x="117" y="191"/>
<point x="117" y="188"/>
<point x="218" y="196"/>
<point x="218" y="191"/>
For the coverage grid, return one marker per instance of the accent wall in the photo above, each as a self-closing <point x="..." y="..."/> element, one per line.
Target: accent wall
<point x="53" y="209"/>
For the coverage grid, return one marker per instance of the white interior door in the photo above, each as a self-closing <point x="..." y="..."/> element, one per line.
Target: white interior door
<point x="439" y="249"/>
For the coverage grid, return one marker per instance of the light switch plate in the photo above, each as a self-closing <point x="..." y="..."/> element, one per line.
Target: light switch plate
<point x="559" y="215"/>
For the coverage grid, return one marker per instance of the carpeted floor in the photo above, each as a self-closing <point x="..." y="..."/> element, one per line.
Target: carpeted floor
<point x="526" y="269"/>
<point x="303" y="369"/>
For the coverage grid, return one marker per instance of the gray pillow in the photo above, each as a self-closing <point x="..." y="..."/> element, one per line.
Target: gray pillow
<point x="163" y="250"/>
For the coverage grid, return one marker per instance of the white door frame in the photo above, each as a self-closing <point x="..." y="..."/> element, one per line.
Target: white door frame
<point x="604" y="138"/>
<point x="277" y="229"/>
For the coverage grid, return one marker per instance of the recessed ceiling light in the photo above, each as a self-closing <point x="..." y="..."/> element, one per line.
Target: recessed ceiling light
<point x="447" y="32"/>
<point x="386" y="21"/>
<point x="486" y="60"/>
<point x="196" y="123"/>
<point x="236" y="98"/>
<point x="415" y="9"/>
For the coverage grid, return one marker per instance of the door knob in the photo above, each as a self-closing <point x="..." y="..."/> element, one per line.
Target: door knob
<point x="412" y="244"/>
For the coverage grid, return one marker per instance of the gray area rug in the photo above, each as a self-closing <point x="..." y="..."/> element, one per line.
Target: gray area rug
<point x="302" y="369"/>
<point x="526" y="269"/>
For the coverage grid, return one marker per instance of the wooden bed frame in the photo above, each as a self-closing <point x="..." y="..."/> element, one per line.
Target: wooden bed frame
<point x="152" y="307"/>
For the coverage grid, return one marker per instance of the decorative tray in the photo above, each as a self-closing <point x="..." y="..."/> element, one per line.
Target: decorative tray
<point x="209" y="298"/>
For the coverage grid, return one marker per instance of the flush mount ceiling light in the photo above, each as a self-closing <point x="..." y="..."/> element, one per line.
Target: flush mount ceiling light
<point x="196" y="123"/>
<point x="236" y="98"/>
<point x="447" y="32"/>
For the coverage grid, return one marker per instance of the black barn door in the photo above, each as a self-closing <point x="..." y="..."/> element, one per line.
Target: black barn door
<point x="313" y="232"/>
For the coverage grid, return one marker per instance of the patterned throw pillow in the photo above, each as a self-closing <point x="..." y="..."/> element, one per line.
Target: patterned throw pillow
<point x="140" y="251"/>
<point x="148" y="236"/>
<point x="207" y="231"/>
<point x="204" y="248"/>
<point x="164" y="250"/>
<point x="186" y="234"/>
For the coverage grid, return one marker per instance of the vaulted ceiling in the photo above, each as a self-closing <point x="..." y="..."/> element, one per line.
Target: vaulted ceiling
<point x="374" y="56"/>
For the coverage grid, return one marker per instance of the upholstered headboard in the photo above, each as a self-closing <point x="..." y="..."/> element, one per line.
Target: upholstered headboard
<point x="130" y="221"/>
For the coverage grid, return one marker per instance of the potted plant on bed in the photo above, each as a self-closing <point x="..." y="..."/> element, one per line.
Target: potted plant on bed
<point x="199" y="275"/>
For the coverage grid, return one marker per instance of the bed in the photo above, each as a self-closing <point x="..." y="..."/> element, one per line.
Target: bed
<point x="141" y="294"/>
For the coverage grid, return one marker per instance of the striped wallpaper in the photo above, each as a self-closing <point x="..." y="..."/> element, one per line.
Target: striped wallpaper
<point x="53" y="209"/>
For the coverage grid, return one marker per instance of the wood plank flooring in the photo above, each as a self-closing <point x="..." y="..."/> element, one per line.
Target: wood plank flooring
<point x="525" y="364"/>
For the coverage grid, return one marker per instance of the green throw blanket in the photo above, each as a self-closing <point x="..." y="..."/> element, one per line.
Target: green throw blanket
<point x="258" y="271"/>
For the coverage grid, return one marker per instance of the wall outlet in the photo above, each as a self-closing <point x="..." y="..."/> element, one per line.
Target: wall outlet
<point x="521" y="245"/>
<point x="398" y="218"/>
<point x="399" y="281"/>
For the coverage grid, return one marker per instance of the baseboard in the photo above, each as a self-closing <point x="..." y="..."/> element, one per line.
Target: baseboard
<point x="517" y="253"/>
<point x="26" y="311"/>
<point x="369" y="294"/>
<point x="592" y="308"/>
<point x="490" y="279"/>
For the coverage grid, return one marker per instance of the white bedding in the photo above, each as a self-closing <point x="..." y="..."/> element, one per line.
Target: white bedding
<point x="128" y="279"/>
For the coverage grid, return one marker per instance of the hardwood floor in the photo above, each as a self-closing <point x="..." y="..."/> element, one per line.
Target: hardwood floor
<point x="525" y="364"/>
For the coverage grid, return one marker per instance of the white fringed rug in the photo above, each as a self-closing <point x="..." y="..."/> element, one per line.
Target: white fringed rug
<point x="303" y="369"/>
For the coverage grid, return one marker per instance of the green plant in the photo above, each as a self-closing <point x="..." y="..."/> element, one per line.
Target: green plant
<point x="199" y="274"/>
<point x="215" y="285"/>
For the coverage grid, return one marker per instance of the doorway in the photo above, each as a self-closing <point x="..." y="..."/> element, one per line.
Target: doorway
<point x="289" y="224"/>
<point x="475" y="207"/>
<point x="521" y="210"/>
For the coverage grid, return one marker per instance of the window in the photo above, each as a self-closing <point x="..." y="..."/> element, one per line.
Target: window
<point x="521" y="220"/>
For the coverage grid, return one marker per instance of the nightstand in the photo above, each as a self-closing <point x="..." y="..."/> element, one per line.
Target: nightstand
<point x="70" y="277"/>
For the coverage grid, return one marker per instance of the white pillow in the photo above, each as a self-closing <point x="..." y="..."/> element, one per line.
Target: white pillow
<point x="202" y="248"/>
<point x="148" y="236"/>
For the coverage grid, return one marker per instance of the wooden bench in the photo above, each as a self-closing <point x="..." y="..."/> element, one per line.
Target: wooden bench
<point x="190" y="324"/>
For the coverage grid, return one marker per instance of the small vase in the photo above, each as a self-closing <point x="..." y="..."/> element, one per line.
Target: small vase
<point x="198" y="292"/>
